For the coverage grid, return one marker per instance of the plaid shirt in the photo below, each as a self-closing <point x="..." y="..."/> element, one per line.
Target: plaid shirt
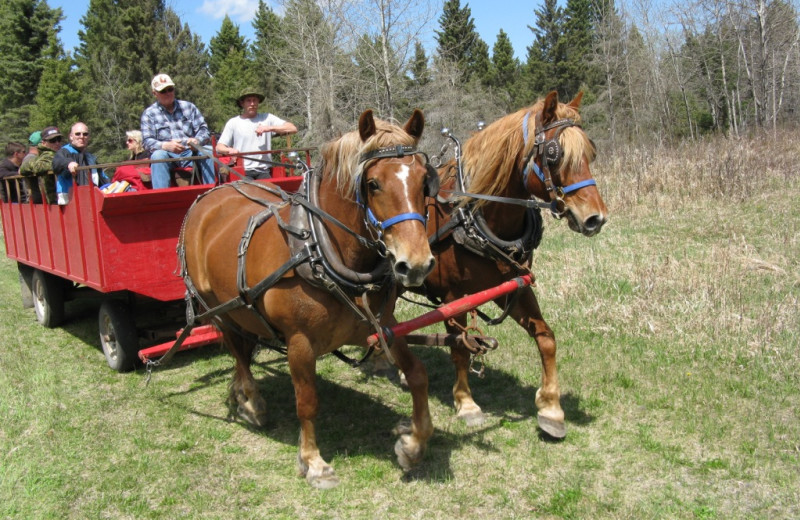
<point x="159" y="126"/>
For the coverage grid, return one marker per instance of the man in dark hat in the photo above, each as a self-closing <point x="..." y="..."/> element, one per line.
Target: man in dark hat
<point x="251" y="132"/>
<point x="41" y="168"/>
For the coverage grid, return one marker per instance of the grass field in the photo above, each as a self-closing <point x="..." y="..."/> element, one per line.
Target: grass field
<point x="679" y="364"/>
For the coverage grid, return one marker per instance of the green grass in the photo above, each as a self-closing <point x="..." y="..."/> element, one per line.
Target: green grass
<point x="679" y="364"/>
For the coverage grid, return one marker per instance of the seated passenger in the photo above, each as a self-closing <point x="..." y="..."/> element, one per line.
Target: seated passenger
<point x="42" y="183"/>
<point x="136" y="175"/>
<point x="252" y="131"/>
<point x="69" y="158"/>
<point x="169" y="128"/>
<point x="9" y="167"/>
<point x="135" y="146"/>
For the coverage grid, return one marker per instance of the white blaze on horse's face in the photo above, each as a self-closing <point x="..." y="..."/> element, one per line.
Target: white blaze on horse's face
<point x="403" y="174"/>
<point x="407" y="240"/>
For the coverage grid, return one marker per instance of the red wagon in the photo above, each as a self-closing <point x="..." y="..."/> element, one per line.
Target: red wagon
<point x="117" y="248"/>
<point x="121" y="249"/>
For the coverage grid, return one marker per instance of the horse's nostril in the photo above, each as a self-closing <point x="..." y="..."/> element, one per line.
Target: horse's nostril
<point x="594" y="223"/>
<point x="401" y="268"/>
<point x="430" y="266"/>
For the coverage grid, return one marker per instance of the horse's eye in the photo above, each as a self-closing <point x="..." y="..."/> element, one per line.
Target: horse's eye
<point x="373" y="185"/>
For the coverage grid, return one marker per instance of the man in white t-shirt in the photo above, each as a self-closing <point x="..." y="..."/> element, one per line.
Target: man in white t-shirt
<point x="251" y="132"/>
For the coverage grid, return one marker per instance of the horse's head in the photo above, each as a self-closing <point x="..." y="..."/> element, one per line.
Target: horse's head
<point x="392" y="181"/>
<point x="556" y="164"/>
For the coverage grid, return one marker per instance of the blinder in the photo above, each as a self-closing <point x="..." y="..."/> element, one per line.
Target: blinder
<point x="431" y="180"/>
<point x="551" y="153"/>
<point x="431" y="175"/>
<point x="431" y="188"/>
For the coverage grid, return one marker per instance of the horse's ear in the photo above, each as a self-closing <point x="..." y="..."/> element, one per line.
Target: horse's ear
<point x="576" y="101"/>
<point x="549" y="108"/>
<point x="366" y="125"/>
<point x="415" y="124"/>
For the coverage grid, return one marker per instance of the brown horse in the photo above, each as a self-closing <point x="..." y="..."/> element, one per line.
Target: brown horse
<point x="316" y="271"/>
<point x="538" y="151"/>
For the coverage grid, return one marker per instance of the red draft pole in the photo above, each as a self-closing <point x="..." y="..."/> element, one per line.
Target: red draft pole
<point x="454" y="308"/>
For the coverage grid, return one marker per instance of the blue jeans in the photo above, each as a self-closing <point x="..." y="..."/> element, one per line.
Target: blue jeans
<point x="159" y="172"/>
<point x="63" y="182"/>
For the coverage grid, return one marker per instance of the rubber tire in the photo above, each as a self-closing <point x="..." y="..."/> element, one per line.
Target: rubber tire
<point x="25" y="281"/>
<point x="48" y="298"/>
<point x="118" y="336"/>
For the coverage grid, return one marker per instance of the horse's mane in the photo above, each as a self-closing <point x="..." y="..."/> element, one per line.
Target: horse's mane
<point x="495" y="154"/>
<point x="341" y="155"/>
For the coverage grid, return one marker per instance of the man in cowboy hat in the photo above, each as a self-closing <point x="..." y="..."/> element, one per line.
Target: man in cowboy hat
<point x="170" y="127"/>
<point x="251" y="132"/>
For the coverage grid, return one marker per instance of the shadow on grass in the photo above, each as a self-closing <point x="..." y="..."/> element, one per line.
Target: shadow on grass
<point x="498" y="393"/>
<point x="351" y="422"/>
<point x="81" y="322"/>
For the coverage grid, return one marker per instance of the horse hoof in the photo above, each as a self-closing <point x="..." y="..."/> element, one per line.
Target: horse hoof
<point x="408" y="452"/>
<point x="555" y="429"/>
<point x="323" y="481"/>
<point x="402" y="428"/>
<point x="472" y="419"/>
<point x="470" y="413"/>
<point x="250" y="416"/>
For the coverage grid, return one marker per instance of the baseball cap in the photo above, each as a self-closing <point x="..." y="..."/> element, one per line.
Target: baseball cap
<point x="160" y="82"/>
<point x="35" y="138"/>
<point x="50" y="132"/>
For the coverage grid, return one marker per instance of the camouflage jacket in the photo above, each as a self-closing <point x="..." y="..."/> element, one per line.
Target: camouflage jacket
<point x="39" y="165"/>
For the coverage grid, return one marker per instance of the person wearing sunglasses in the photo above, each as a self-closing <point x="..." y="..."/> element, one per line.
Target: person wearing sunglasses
<point x="42" y="185"/>
<point x="170" y="128"/>
<point x="69" y="158"/>
<point x="136" y="175"/>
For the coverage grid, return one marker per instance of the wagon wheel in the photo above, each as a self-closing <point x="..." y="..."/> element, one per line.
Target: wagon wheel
<point x="118" y="336"/>
<point x="48" y="298"/>
<point x="25" y="281"/>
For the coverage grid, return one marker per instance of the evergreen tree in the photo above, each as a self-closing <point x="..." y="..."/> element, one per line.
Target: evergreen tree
<point x="59" y="99"/>
<point x="116" y="59"/>
<point x="183" y="56"/>
<point x="505" y="73"/>
<point x="540" y="73"/>
<point x="458" y="41"/>
<point x="228" y="41"/>
<point x="576" y="68"/>
<point x="480" y="66"/>
<point x="28" y="40"/>
<point x="420" y="73"/>
<point x="417" y="79"/>
<point x="229" y="66"/>
<point x="267" y="51"/>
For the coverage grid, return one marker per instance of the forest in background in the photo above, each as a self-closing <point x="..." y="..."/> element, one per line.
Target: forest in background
<point x="651" y="73"/>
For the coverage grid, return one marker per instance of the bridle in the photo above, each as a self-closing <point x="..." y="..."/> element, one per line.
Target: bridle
<point x="549" y="153"/>
<point x="431" y="187"/>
